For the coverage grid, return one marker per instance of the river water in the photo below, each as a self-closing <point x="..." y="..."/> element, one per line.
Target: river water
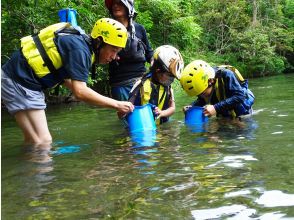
<point x="95" y="170"/>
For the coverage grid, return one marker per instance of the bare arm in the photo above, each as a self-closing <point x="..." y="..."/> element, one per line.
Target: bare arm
<point x="170" y="110"/>
<point x="86" y="94"/>
<point x="67" y="83"/>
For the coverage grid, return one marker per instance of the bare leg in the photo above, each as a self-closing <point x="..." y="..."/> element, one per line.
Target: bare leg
<point x="33" y="124"/>
<point x="38" y="153"/>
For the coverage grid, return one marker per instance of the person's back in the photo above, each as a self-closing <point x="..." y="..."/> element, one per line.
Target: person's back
<point x="229" y="96"/>
<point x="71" y="48"/>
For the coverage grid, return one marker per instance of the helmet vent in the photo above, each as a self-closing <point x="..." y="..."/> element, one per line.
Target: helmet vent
<point x="195" y="68"/>
<point x="191" y="88"/>
<point x="118" y="28"/>
<point x="189" y="81"/>
<point x="191" y="74"/>
<point x="119" y="35"/>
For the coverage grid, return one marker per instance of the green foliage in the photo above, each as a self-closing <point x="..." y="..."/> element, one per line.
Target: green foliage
<point x="220" y="19"/>
<point x="185" y="31"/>
<point x="212" y="30"/>
<point x="254" y="49"/>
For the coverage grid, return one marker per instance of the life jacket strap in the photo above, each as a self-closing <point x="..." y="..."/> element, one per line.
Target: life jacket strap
<point x="162" y="96"/>
<point x="44" y="55"/>
<point x="133" y="95"/>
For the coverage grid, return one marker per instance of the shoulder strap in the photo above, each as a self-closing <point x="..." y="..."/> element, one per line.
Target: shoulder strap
<point x="134" y="92"/>
<point x="221" y="89"/>
<point x="163" y="95"/>
<point x="236" y="72"/>
<point x="44" y="55"/>
<point x="220" y="84"/>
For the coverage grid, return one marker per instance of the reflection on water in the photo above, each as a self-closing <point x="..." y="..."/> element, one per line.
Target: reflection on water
<point x="97" y="170"/>
<point x="275" y="198"/>
<point x="143" y="138"/>
<point x="36" y="172"/>
<point x="145" y="148"/>
<point x="198" y="128"/>
<point x="225" y="212"/>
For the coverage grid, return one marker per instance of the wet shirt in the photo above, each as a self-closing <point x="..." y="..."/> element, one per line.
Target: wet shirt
<point x="76" y="62"/>
<point x="131" y="64"/>
<point x="233" y="92"/>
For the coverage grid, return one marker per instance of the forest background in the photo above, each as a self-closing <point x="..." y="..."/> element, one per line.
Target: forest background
<point x="256" y="36"/>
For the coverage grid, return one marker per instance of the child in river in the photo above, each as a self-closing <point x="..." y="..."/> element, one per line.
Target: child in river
<point x="155" y="86"/>
<point x="221" y="90"/>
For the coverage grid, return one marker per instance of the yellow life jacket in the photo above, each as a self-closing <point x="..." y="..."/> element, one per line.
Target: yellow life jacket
<point x="44" y="58"/>
<point x="235" y="71"/>
<point x="146" y="91"/>
<point x="219" y="85"/>
<point x="221" y="94"/>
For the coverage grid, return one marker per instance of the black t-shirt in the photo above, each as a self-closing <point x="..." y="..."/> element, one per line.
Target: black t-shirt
<point x="129" y="67"/>
<point x="76" y="62"/>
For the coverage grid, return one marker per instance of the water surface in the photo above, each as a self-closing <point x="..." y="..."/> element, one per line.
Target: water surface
<point x="96" y="170"/>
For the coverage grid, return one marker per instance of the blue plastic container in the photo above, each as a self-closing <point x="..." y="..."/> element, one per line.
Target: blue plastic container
<point x="195" y="116"/>
<point x="141" y="119"/>
<point x="68" y="15"/>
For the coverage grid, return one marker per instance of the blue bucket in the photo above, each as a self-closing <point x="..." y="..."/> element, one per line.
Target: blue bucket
<point x="195" y="116"/>
<point x="141" y="119"/>
<point x="68" y="15"/>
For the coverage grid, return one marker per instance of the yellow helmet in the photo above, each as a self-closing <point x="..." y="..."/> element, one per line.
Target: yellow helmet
<point x="208" y="69"/>
<point x="195" y="77"/>
<point x="111" y="31"/>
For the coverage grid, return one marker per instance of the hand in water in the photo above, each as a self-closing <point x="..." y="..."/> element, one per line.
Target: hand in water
<point x="209" y="110"/>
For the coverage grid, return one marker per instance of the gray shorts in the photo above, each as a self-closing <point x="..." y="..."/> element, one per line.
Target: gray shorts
<point x="17" y="98"/>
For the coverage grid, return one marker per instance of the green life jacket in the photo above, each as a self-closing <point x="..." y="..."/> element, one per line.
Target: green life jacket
<point x="40" y="49"/>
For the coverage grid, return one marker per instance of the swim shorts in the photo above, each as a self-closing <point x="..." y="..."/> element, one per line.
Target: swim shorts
<point x="17" y="98"/>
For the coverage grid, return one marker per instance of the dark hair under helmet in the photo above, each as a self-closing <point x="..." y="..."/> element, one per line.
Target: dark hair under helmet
<point x="129" y="4"/>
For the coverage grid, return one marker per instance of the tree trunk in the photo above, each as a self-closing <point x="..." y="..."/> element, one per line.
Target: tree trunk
<point x="254" y="16"/>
